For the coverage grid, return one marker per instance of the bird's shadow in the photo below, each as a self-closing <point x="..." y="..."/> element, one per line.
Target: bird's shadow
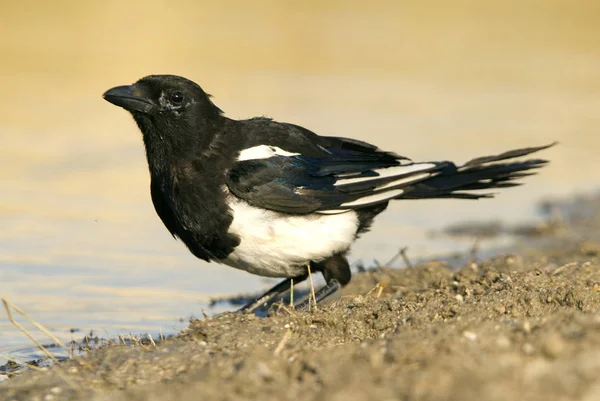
<point x="239" y="301"/>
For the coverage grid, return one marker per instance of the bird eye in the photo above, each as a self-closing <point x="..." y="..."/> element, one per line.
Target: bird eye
<point x="177" y="97"/>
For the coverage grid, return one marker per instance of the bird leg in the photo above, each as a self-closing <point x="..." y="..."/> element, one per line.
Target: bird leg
<point x="336" y="271"/>
<point x="280" y="288"/>
<point x="320" y="294"/>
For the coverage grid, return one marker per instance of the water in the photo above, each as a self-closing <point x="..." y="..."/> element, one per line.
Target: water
<point x="80" y="245"/>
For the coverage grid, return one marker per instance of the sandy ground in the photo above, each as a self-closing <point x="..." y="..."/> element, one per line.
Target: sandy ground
<point x="431" y="80"/>
<point x="523" y="325"/>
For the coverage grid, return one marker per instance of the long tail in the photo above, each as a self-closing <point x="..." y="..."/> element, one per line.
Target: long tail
<point x="480" y="173"/>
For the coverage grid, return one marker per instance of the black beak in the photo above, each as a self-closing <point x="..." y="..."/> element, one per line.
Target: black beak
<point x="127" y="98"/>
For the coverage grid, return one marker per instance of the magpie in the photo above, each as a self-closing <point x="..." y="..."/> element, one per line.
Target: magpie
<point x="273" y="198"/>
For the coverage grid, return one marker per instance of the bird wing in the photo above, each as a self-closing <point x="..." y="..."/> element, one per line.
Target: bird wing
<point x="346" y="174"/>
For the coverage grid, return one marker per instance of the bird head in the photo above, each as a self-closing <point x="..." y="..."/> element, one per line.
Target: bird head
<point x="168" y="96"/>
<point x="167" y="108"/>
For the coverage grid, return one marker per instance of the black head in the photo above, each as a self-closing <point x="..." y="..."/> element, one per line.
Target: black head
<point x="168" y="96"/>
<point x="169" y="109"/>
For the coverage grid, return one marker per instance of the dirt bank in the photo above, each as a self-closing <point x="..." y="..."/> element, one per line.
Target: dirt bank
<point x="519" y="326"/>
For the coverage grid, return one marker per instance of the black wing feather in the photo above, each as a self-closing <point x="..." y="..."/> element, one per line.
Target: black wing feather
<point x="302" y="184"/>
<point x="338" y="174"/>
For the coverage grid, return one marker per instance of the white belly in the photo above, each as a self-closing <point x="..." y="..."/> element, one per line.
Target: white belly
<point x="281" y="245"/>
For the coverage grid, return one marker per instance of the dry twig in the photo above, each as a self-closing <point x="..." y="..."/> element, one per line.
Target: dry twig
<point x="282" y="342"/>
<point x="312" y="290"/>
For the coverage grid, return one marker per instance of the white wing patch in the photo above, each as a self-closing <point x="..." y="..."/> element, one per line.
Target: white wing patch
<point x="263" y="152"/>
<point x="334" y="211"/>
<point x="383" y="192"/>
<point x="368" y="200"/>
<point x="404" y="181"/>
<point x="388" y="172"/>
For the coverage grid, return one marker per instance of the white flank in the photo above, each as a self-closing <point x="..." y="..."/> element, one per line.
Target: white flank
<point x="263" y="152"/>
<point x="387" y="172"/>
<point x="281" y="245"/>
<point x="367" y="200"/>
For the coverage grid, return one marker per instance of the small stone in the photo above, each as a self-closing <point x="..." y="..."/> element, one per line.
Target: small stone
<point x="459" y="298"/>
<point x="49" y="397"/>
<point x="312" y="326"/>
<point x="503" y="342"/>
<point x="528" y="349"/>
<point x="287" y="326"/>
<point x="56" y="390"/>
<point x="526" y="327"/>
<point x="501" y="309"/>
<point x="469" y="335"/>
<point x="554" y="346"/>
<point x="264" y="371"/>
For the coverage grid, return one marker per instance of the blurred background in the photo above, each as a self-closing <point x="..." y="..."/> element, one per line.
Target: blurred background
<point x="80" y="244"/>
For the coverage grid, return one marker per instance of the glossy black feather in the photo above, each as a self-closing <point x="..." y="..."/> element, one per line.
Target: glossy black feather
<point x="301" y="184"/>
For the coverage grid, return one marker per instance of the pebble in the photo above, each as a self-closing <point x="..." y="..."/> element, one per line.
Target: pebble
<point x="503" y="342"/>
<point x="469" y="335"/>
<point x="459" y="298"/>
<point x="528" y="349"/>
<point x="264" y="371"/>
<point x="554" y="346"/>
<point x="500" y="309"/>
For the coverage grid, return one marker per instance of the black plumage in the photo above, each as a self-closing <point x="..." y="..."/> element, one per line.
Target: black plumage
<point x="245" y="192"/>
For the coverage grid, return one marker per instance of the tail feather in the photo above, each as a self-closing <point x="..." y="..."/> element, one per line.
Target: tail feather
<point x="477" y="174"/>
<point x="511" y="154"/>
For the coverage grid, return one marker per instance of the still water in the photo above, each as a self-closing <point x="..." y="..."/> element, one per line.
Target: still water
<point x="80" y="245"/>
